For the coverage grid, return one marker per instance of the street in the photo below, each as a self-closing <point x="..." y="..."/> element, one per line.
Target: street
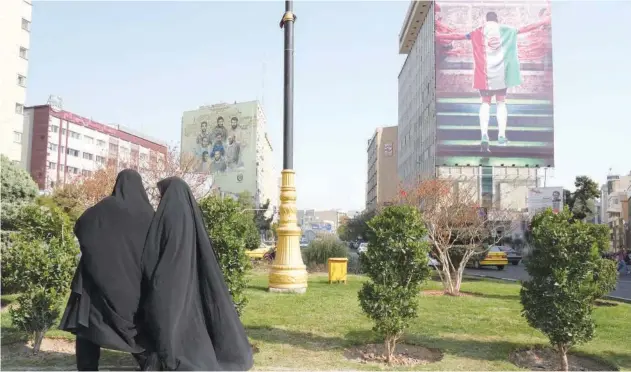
<point x="623" y="289"/>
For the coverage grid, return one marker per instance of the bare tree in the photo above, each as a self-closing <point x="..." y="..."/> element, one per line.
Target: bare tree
<point x="174" y="163"/>
<point x="458" y="228"/>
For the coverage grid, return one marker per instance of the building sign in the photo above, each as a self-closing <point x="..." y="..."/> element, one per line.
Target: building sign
<point x="542" y="198"/>
<point x="388" y="149"/>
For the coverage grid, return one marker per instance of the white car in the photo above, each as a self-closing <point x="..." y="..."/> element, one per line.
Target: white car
<point x="363" y="247"/>
<point x="432" y="262"/>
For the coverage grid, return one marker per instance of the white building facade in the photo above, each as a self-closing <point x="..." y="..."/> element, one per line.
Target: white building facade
<point x="15" y="34"/>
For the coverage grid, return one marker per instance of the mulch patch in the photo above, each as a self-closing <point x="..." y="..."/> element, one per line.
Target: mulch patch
<point x="602" y="303"/>
<point x="404" y="355"/>
<point x="440" y="292"/>
<point x="547" y="359"/>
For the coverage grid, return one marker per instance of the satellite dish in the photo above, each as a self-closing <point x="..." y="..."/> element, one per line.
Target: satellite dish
<point x="55" y="102"/>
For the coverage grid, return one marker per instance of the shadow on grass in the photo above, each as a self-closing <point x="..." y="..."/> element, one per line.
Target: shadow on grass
<point x="19" y="356"/>
<point x="492" y="350"/>
<point x="258" y="287"/>
<point x="495" y="296"/>
<point x="7" y="300"/>
<point x="304" y="340"/>
<point x="623" y="361"/>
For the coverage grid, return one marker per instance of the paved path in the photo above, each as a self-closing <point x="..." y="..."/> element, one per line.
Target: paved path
<point x="623" y="289"/>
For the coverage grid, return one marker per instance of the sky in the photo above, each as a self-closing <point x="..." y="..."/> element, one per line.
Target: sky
<point x="142" y="64"/>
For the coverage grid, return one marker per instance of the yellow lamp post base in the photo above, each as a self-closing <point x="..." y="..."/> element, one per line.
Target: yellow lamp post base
<point x="288" y="274"/>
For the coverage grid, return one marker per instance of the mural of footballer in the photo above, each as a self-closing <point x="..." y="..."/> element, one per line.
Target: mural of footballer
<point x="496" y="68"/>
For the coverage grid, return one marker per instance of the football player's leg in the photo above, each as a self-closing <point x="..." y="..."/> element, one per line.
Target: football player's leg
<point x="502" y="117"/>
<point x="485" y="112"/>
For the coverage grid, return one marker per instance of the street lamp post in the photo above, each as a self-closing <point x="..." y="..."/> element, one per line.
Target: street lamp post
<point x="288" y="273"/>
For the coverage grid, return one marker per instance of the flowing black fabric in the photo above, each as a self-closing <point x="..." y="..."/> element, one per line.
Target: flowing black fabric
<point x="106" y="287"/>
<point x="189" y="310"/>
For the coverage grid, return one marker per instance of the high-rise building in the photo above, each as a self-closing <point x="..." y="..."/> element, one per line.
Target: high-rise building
<point x="15" y="28"/>
<point x="230" y="142"/>
<point x="62" y="146"/>
<point x="382" y="182"/>
<point x="475" y="97"/>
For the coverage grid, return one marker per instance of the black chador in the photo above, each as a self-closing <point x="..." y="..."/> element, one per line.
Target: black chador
<point x="103" y="305"/>
<point x="189" y="312"/>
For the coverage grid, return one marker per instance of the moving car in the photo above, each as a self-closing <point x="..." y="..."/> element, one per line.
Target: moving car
<point x="363" y="247"/>
<point x="513" y="257"/>
<point x="494" y="257"/>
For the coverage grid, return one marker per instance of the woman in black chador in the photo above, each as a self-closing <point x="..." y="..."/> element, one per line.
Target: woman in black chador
<point x="189" y="312"/>
<point x="102" y="309"/>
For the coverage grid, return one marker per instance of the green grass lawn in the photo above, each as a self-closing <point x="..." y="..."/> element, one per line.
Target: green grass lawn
<point x="311" y="331"/>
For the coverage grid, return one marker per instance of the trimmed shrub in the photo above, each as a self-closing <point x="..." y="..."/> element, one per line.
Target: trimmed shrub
<point x="320" y="250"/>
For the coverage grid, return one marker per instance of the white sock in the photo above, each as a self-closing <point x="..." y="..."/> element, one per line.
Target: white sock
<point x="485" y="110"/>
<point x="502" y="118"/>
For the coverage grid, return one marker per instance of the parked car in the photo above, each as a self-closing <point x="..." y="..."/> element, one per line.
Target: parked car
<point x="363" y="247"/>
<point x="432" y="262"/>
<point x="493" y="257"/>
<point x="513" y="257"/>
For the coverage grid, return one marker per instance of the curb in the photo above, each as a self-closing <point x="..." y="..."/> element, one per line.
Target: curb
<point x="610" y="298"/>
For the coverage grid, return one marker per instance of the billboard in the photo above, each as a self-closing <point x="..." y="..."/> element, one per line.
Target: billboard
<point x="221" y="138"/>
<point x="494" y="101"/>
<point x="541" y="198"/>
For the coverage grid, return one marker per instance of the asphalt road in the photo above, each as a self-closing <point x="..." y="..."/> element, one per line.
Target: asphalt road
<point x="623" y="289"/>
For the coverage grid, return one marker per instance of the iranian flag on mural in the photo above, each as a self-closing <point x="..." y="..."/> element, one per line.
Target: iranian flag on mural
<point x="495" y="57"/>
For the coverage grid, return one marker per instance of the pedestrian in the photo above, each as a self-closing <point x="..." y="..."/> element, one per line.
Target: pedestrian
<point x="105" y="291"/>
<point x="622" y="264"/>
<point x="189" y="311"/>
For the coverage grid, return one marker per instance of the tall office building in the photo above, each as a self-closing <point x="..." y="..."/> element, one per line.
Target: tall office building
<point x="15" y="29"/>
<point x="475" y="96"/>
<point x="61" y="146"/>
<point x="230" y="142"/>
<point x="382" y="182"/>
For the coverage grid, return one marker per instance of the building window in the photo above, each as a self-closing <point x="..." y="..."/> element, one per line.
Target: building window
<point x="100" y="143"/>
<point x="52" y="165"/>
<point x="26" y="25"/>
<point x="63" y="131"/>
<point x="88" y="139"/>
<point x="100" y="159"/>
<point x="21" y="80"/>
<point x="72" y="152"/>
<point x="75" y="135"/>
<point x="24" y="53"/>
<point x="52" y="147"/>
<point x="17" y="137"/>
<point x="86" y="173"/>
<point x="88" y="156"/>
<point x="72" y="170"/>
<point x="19" y="108"/>
<point x="113" y="147"/>
<point x="54" y="128"/>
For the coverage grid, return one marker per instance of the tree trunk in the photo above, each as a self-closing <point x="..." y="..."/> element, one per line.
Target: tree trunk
<point x="37" y="343"/>
<point x="389" y="351"/>
<point x="563" y="358"/>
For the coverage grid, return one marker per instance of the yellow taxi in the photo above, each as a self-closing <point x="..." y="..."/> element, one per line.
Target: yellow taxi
<point x="494" y="257"/>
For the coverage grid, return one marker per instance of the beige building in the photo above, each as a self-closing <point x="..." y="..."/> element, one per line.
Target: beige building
<point x="15" y="28"/>
<point x="382" y="181"/>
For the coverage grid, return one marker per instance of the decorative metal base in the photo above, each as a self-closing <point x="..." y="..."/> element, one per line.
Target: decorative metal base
<point x="288" y="274"/>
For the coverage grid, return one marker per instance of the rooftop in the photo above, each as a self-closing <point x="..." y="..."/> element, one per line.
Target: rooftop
<point x="414" y="19"/>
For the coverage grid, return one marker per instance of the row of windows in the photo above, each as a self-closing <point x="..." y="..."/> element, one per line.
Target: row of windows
<point x="68" y="169"/>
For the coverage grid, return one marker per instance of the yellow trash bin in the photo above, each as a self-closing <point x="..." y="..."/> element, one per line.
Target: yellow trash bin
<point x="337" y="269"/>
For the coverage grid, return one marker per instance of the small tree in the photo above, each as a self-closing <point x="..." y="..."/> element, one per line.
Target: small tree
<point x="357" y="227"/>
<point x="396" y="262"/>
<point x="457" y="227"/>
<point x="580" y="202"/>
<point x="567" y="275"/>
<point x="227" y="227"/>
<point x="18" y="189"/>
<point x="41" y="271"/>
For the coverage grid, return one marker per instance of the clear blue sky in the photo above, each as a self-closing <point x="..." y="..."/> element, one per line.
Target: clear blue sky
<point x="141" y="64"/>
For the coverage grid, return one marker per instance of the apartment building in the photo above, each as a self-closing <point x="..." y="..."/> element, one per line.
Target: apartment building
<point x="62" y="146"/>
<point x="15" y="31"/>
<point x="382" y="181"/>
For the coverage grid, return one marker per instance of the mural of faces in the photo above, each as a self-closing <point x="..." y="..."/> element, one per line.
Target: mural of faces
<point x="220" y="145"/>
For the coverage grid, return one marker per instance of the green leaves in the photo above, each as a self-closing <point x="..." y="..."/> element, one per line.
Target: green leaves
<point x="228" y="229"/>
<point x="396" y="262"/>
<point x="567" y="276"/>
<point x="17" y="189"/>
<point x="320" y="250"/>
